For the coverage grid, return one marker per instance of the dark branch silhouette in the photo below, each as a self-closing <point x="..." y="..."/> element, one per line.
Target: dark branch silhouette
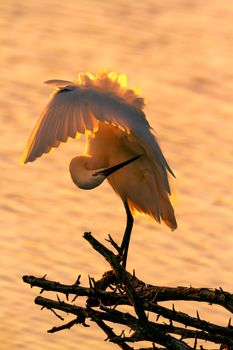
<point x="118" y="287"/>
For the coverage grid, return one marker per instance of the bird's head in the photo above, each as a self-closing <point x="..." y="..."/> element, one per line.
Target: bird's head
<point x="86" y="178"/>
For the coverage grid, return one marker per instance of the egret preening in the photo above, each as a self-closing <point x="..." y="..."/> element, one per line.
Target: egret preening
<point x="120" y="144"/>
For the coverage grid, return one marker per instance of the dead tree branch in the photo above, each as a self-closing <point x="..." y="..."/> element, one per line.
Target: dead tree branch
<point x="118" y="287"/>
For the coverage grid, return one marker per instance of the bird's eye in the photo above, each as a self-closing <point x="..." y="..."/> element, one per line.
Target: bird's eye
<point x="65" y="89"/>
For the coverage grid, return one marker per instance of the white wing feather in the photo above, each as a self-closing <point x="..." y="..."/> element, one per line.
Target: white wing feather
<point x="75" y="109"/>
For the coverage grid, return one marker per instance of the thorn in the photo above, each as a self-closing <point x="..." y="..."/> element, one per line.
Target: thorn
<point x="108" y="239"/>
<point x="78" y="280"/>
<point x="43" y="278"/>
<point x="157" y="318"/>
<point x="67" y="296"/>
<point x="198" y="316"/>
<point x="195" y="341"/>
<point x="223" y="292"/>
<point x="122" y="335"/>
<point x="173" y="308"/>
<point x="42" y="290"/>
<point x="90" y="282"/>
<point x="59" y="300"/>
<point x="171" y="324"/>
<point x="74" y="298"/>
<point x="42" y="307"/>
<point x="60" y="317"/>
<point x="134" y="273"/>
<point x="229" y="322"/>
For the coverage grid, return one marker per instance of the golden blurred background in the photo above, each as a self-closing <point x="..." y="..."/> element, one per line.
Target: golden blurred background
<point x="180" y="54"/>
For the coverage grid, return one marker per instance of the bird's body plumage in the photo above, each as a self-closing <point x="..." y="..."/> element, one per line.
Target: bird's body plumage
<point x="141" y="182"/>
<point x="116" y="128"/>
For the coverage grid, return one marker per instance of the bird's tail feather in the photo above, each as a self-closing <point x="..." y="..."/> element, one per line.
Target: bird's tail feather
<point x="167" y="213"/>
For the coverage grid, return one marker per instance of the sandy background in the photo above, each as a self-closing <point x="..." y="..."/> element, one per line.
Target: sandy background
<point x="180" y="54"/>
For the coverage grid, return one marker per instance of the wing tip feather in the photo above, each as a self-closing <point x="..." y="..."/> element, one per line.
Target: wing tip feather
<point x="24" y="158"/>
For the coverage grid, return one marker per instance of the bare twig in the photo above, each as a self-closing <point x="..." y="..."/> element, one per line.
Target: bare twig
<point x="64" y="326"/>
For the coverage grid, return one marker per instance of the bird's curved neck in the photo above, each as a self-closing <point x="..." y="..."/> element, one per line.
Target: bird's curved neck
<point x="82" y="171"/>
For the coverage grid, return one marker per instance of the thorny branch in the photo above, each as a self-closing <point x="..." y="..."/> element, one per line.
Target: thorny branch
<point x="118" y="287"/>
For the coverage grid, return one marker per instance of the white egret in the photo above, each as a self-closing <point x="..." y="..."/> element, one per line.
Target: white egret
<point x="120" y="144"/>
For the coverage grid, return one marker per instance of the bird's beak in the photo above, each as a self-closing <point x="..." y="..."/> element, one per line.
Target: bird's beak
<point x="108" y="171"/>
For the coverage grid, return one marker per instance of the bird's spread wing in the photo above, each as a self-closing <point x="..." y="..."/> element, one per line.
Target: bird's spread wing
<point x="78" y="108"/>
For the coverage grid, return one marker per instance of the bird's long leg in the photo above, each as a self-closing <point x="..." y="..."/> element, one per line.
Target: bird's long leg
<point x="127" y="234"/>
